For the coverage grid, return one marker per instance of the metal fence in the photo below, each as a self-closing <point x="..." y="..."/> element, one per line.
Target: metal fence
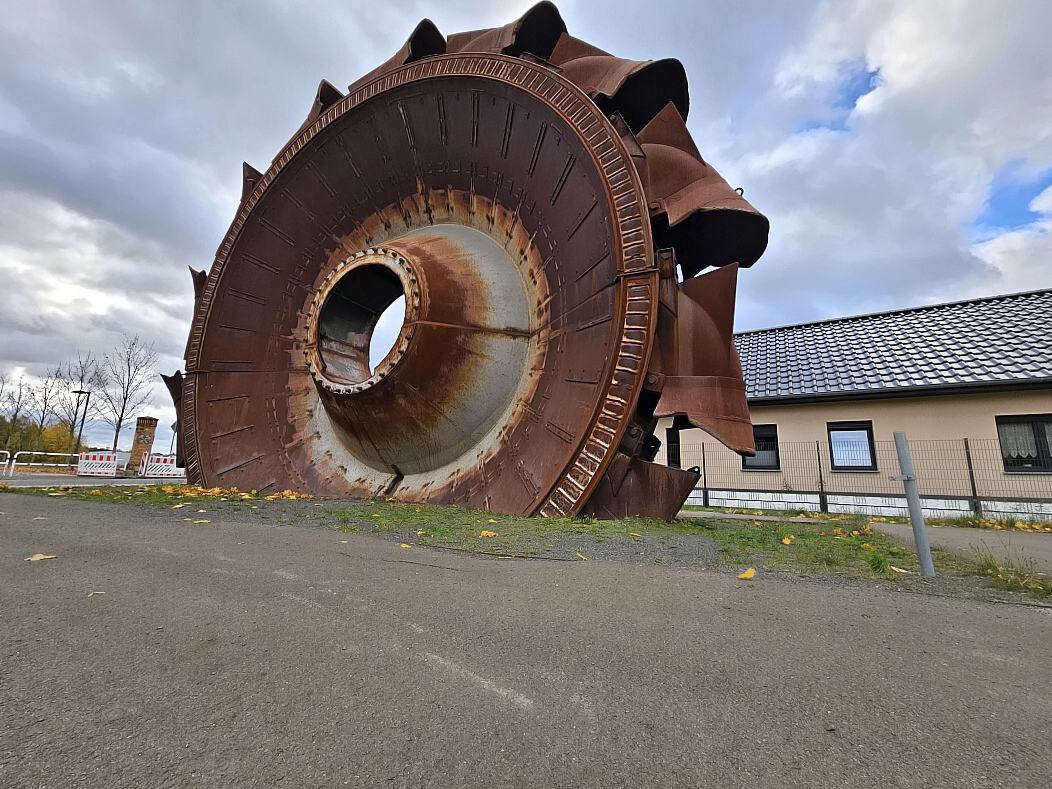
<point x="957" y="478"/>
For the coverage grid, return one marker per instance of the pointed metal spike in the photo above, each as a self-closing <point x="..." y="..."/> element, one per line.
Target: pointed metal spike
<point x="669" y="128"/>
<point x="715" y="292"/>
<point x="199" y="278"/>
<point x="249" y="176"/>
<point x="328" y="94"/>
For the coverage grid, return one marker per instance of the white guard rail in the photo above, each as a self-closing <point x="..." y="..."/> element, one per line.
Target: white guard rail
<point x="32" y="455"/>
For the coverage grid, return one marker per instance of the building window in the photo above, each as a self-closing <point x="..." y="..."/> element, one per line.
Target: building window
<point x="766" y="458"/>
<point x="672" y="447"/>
<point x="1026" y="442"/>
<point x="851" y="446"/>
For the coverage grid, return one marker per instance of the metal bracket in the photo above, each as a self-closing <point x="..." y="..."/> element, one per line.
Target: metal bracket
<point x="901" y="477"/>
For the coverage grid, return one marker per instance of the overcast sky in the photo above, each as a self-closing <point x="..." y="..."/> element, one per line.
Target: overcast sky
<point x="902" y="149"/>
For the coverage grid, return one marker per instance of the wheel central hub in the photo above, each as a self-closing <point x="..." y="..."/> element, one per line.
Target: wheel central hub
<point x="457" y="367"/>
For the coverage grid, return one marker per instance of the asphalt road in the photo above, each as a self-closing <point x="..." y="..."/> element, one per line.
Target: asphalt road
<point x="167" y="654"/>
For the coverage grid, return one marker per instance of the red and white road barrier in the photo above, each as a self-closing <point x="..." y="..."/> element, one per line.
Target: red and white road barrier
<point x="159" y="466"/>
<point x="97" y="464"/>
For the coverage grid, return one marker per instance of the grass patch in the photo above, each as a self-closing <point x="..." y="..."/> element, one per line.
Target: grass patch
<point x="1014" y="573"/>
<point x="155" y="495"/>
<point x="486" y="532"/>
<point x="845" y="546"/>
<point x="797" y="546"/>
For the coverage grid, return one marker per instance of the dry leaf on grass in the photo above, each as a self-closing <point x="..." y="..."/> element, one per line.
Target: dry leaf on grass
<point x="178" y="506"/>
<point x="747" y="574"/>
<point x="895" y="569"/>
<point x="38" y="557"/>
<point x="486" y="533"/>
<point x="582" y="557"/>
<point x="787" y="540"/>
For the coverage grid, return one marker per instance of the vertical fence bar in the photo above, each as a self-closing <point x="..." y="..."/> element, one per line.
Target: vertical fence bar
<point x="704" y="479"/>
<point x="977" y="505"/>
<point x="913" y="501"/>
<point x="823" y="502"/>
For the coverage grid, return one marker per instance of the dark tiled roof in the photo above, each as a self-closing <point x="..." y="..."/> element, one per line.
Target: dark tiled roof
<point x="995" y="340"/>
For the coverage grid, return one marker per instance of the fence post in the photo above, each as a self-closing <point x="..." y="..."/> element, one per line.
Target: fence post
<point x="977" y="505"/>
<point x="704" y="479"/>
<point x="823" y="502"/>
<point x="909" y="482"/>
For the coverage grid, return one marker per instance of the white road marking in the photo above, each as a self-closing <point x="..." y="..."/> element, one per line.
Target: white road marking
<point x="457" y="670"/>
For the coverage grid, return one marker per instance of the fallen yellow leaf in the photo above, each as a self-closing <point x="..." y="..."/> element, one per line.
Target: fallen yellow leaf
<point x="895" y="569"/>
<point x="582" y="557"/>
<point x="747" y="574"/>
<point x="787" y="540"/>
<point x="869" y="546"/>
<point x="633" y="534"/>
<point x="856" y="533"/>
<point x="492" y="520"/>
<point x="201" y="520"/>
<point x="36" y="557"/>
<point x="486" y="533"/>
<point x="405" y="545"/>
<point x="178" y="506"/>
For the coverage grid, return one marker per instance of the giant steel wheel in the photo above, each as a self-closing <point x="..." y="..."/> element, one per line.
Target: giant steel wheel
<point x="530" y="197"/>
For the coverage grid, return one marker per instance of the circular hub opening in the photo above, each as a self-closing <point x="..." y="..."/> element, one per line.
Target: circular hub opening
<point x="358" y="331"/>
<point x="461" y="360"/>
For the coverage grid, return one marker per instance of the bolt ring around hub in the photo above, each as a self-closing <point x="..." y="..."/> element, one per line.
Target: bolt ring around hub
<point x="374" y="256"/>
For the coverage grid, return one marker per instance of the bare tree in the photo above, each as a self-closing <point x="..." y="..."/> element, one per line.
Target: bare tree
<point x="78" y="375"/>
<point x="18" y="402"/>
<point x="128" y="372"/>
<point x="46" y="392"/>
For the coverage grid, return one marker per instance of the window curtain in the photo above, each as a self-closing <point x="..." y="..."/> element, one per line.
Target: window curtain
<point x="1017" y="440"/>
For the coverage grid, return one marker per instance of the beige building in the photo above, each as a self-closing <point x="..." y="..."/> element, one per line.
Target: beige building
<point x="970" y="383"/>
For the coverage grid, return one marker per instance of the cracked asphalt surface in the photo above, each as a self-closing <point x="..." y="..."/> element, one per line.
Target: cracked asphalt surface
<point x="155" y="652"/>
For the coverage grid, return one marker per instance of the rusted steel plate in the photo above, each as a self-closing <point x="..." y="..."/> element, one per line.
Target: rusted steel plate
<point x="508" y="205"/>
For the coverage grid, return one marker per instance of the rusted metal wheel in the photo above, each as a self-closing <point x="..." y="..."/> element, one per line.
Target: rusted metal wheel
<point x="503" y="183"/>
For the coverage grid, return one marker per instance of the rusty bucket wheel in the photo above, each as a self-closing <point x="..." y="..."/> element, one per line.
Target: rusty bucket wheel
<point x="510" y="203"/>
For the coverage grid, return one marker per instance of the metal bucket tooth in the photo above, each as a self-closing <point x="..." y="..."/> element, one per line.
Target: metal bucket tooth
<point x="695" y="210"/>
<point x="425" y="41"/>
<point x="637" y="89"/>
<point x="534" y="33"/>
<point x="702" y="373"/>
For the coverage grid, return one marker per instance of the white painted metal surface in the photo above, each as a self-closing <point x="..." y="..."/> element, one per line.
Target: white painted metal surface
<point x="97" y="464"/>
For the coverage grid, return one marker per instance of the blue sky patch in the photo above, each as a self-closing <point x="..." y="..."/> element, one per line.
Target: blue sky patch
<point x="857" y="82"/>
<point x="1008" y="205"/>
